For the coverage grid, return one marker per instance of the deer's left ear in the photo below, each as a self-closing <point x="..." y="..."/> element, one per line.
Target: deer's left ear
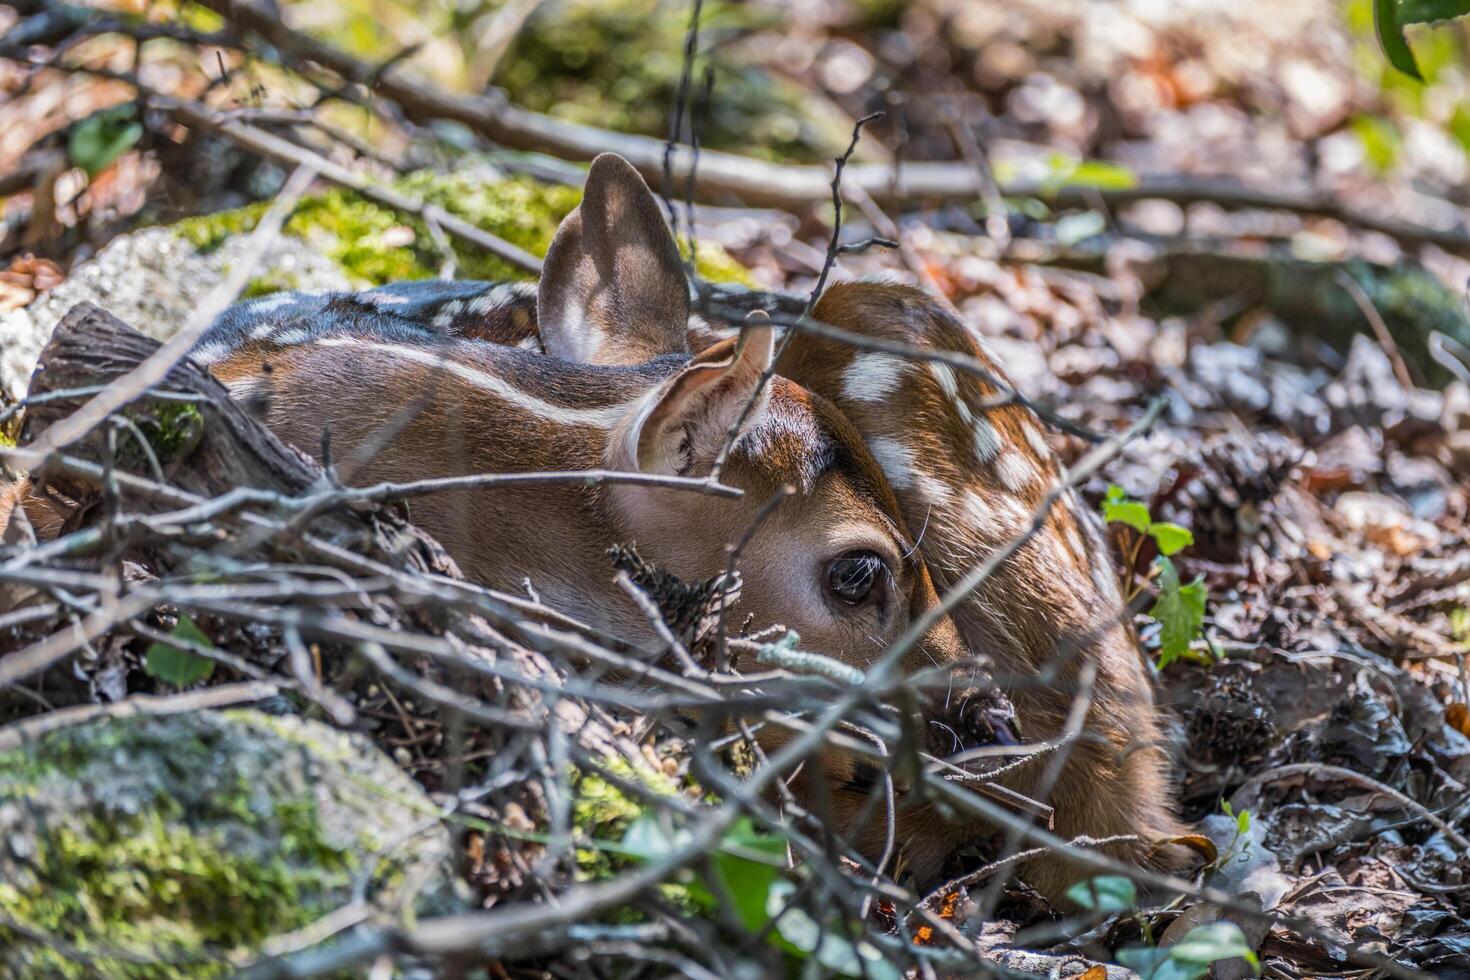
<point x="682" y="428"/>
<point x="613" y="290"/>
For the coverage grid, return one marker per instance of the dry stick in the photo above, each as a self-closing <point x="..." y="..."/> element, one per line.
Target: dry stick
<point x="789" y="187"/>
<point x="997" y="223"/>
<point x="285" y="152"/>
<point x="153" y="370"/>
<point x="760" y="317"/>
<point x="906" y="251"/>
<point x="676" y="123"/>
<point x="1380" y="329"/>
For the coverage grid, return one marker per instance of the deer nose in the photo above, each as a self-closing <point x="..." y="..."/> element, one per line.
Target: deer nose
<point x="969" y="719"/>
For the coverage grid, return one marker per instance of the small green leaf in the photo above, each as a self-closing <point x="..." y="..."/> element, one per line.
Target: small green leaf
<point x="1391" y="39"/>
<point x="1105" y="893"/>
<point x="98" y="140"/>
<point x="1190" y="957"/>
<point x="1068" y="171"/>
<point x="1171" y="538"/>
<point x="1430" y="11"/>
<point x="1243" y="821"/>
<point x="747" y="864"/>
<point x="1205" y="944"/>
<point x="1129" y="512"/>
<point x="1180" y="610"/>
<point x="180" y="667"/>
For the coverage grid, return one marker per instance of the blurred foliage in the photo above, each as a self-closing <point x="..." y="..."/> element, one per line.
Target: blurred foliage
<point x="376" y="245"/>
<point x="1436" y="96"/>
<point x="617" y="64"/>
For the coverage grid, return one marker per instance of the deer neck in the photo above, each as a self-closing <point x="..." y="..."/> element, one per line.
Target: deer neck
<point x="419" y="413"/>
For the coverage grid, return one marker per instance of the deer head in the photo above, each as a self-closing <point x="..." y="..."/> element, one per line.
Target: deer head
<point x="617" y="388"/>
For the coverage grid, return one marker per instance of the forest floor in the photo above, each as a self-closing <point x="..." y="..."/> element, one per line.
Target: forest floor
<point x="1294" y="282"/>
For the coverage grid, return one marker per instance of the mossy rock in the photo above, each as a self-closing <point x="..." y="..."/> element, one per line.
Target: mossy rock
<point x="175" y="846"/>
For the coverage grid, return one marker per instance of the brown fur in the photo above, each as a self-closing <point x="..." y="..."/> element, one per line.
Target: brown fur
<point x="1048" y="611"/>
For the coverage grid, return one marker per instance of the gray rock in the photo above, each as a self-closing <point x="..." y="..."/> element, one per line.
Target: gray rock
<point x="187" y="841"/>
<point x="152" y="280"/>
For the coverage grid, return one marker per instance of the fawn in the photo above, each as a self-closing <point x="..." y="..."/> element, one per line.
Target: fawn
<point x="591" y="368"/>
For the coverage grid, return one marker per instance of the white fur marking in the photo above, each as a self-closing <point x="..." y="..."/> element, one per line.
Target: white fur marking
<point x="895" y="459"/>
<point x="872" y="377"/>
<point x="944" y="374"/>
<point x="268" y="303"/>
<point x="997" y="517"/>
<point x="987" y="440"/>
<point x="1036" y="439"/>
<point x="604" y="418"/>
<point x="1014" y="470"/>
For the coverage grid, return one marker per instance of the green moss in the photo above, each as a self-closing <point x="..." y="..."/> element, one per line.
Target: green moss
<point x="274" y="281"/>
<point x="208" y="232"/>
<point x="162" y="895"/>
<point x="601" y="812"/>
<point x="375" y="245"/>
<point x="172" y="428"/>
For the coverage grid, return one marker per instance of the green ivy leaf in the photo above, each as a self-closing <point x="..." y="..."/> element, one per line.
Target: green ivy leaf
<point x="1390" y="30"/>
<point x="1105" y="893"/>
<point x="1171" y="538"/>
<point x="180" y="667"/>
<point x="98" y="140"/>
<point x="1205" y="944"/>
<point x="1430" y="11"/>
<point x="747" y="865"/>
<point x="1119" y="508"/>
<point x="1180" y="611"/>
<point x="1190" y="958"/>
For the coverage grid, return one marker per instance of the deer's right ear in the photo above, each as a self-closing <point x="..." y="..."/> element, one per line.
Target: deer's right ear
<point x="613" y="290"/>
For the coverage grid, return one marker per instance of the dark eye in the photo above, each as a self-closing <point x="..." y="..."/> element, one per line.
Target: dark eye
<point x="852" y="577"/>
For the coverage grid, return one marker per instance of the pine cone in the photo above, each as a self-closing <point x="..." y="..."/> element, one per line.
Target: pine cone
<point x="1231" y="724"/>
<point x="1224" y="493"/>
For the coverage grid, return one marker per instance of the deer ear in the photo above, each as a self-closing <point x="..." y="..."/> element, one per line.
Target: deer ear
<point x="613" y="290"/>
<point x="684" y="425"/>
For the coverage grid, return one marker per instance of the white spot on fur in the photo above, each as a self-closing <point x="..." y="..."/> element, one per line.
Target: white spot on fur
<point x="263" y="331"/>
<point x="267" y="304"/>
<point x="1036" y="439"/>
<point x="994" y="517"/>
<point x="210" y="352"/>
<point x="987" y="440"/>
<point x="387" y="299"/>
<point x="1107" y="586"/>
<point x="605" y="417"/>
<point x="933" y="492"/>
<point x="1014" y="470"/>
<point x="1075" y="542"/>
<point x="447" y="313"/>
<point x="872" y="377"/>
<point x="895" y="459"/>
<point x="944" y="375"/>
